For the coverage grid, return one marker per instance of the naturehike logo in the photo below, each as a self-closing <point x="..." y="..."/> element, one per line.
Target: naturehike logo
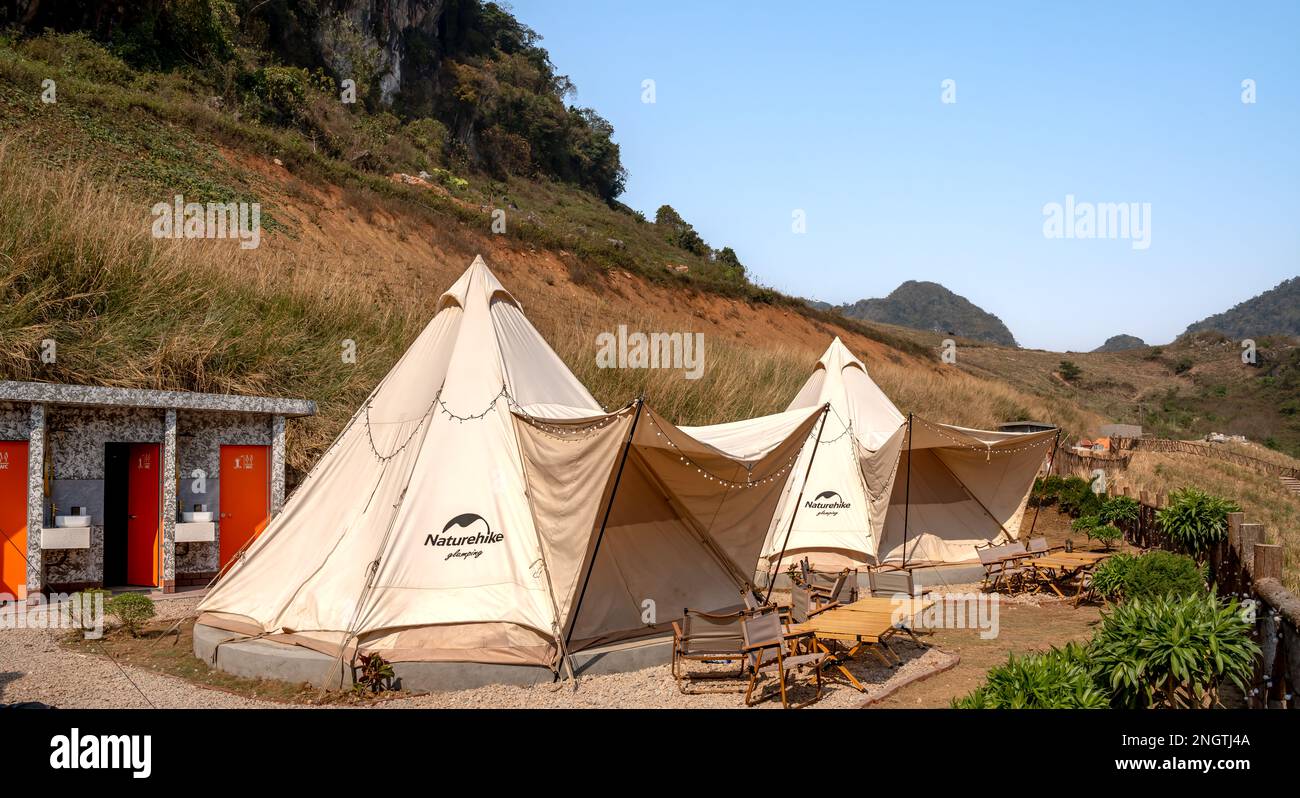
<point x="828" y="502"/>
<point x="480" y="533"/>
<point x="75" y="751"/>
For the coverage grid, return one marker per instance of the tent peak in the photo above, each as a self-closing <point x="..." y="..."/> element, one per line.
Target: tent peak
<point x="477" y="283"/>
<point x="838" y="356"/>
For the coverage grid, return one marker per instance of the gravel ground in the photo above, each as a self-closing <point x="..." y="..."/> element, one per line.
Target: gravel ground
<point x="34" y="667"/>
<point x="655" y="688"/>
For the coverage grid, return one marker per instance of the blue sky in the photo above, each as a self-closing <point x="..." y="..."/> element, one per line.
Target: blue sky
<point x="835" y="109"/>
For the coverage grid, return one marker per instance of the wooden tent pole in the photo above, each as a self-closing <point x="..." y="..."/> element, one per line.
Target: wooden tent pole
<point x="771" y="580"/>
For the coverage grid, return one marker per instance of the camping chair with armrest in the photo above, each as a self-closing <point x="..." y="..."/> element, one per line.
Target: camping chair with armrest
<point x="803" y="606"/>
<point x="893" y="582"/>
<point x="753" y="601"/>
<point x="769" y="650"/>
<point x="707" y="637"/>
<point x="834" y="593"/>
<point x="1038" y="547"/>
<point x="1001" y="564"/>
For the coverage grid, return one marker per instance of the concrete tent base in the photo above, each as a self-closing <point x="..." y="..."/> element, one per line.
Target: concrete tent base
<point x="935" y="577"/>
<point x="262" y="659"/>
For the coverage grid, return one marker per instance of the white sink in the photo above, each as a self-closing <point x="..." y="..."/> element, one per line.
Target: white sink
<point x="71" y="521"/>
<point x="196" y="518"/>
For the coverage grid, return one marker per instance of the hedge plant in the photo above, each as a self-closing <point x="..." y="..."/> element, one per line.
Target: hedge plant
<point x="1056" y="679"/>
<point x="1172" y="651"/>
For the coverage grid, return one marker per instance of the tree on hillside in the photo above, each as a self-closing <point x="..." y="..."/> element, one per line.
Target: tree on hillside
<point x="730" y="263"/>
<point x="679" y="232"/>
<point x="1069" y="371"/>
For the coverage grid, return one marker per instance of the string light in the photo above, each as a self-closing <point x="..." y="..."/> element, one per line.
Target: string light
<point x="987" y="448"/>
<point x="730" y="484"/>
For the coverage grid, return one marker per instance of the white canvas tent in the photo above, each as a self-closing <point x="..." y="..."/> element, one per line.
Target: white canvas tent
<point x="481" y="507"/>
<point x="866" y="501"/>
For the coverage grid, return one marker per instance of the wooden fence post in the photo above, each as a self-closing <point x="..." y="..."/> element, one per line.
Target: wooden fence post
<point x="1231" y="566"/>
<point x="1272" y="675"/>
<point x="1268" y="561"/>
<point x="1250" y="534"/>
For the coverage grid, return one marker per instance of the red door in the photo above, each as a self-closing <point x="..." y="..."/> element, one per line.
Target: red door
<point x="13" y="518"/>
<point x="245" y="490"/>
<point x="143" y="514"/>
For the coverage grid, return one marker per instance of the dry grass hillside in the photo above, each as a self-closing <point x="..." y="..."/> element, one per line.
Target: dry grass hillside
<point x="131" y="310"/>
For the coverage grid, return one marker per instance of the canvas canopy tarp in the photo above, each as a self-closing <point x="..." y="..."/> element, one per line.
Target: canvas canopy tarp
<point x="962" y="487"/>
<point x="458" y="516"/>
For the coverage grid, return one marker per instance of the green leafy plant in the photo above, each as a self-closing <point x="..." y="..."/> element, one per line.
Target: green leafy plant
<point x="1069" y="371"/>
<point x="1160" y="573"/>
<point x="133" y="609"/>
<point x="1084" y="524"/>
<point x="1122" y="511"/>
<point x="1108" y="578"/>
<point x="1106" y="533"/>
<point x="373" y="674"/>
<point x="1077" y="499"/>
<point x="1046" y="491"/>
<point x="1195" y="520"/>
<point x="1055" y="679"/>
<point x="1171" y="651"/>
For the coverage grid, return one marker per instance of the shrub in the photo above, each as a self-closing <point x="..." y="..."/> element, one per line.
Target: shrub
<point x="1078" y="499"/>
<point x="1084" y="524"/>
<point x="79" y="55"/>
<point x="1172" y="652"/>
<point x="1106" y="533"/>
<point x="1195" y="520"/>
<point x="1122" y="511"/>
<point x="1160" y="573"/>
<point x="1108" y="579"/>
<point x="132" y="609"/>
<point x="1055" y="679"/>
<point x="281" y="94"/>
<point x="1069" y="371"/>
<point x="1046" y="491"/>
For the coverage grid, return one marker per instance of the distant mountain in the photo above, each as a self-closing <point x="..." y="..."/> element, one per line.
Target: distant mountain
<point x="1274" y="312"/>
<point x="1120" y="343"/>
<point x="930" y="306"/>
<point x="818" y="304"/>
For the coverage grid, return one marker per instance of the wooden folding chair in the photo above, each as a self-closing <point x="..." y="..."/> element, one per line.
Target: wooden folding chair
<point x="707" y="637"/>
<point x="770" y="651"/>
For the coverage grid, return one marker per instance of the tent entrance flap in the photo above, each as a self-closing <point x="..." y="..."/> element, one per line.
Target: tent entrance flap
<point x="604" y="521"/>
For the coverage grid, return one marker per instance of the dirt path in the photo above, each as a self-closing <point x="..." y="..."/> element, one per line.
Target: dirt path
<point x="1022" y="628"/>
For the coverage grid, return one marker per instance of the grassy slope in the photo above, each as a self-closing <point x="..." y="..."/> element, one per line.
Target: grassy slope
<point x="357" y="255"/>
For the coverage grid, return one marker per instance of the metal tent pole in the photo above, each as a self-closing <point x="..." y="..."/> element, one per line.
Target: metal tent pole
<point x="627" y="447"/>
<point x="907" y="489"/>
<point x="771" y="580"/>
<point x="1051" y="463"/>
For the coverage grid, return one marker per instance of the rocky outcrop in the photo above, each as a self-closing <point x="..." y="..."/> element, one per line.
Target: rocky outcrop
<point x="368" y="40"/>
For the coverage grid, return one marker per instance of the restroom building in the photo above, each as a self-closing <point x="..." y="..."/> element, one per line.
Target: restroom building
<point x="115" y="487"/>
